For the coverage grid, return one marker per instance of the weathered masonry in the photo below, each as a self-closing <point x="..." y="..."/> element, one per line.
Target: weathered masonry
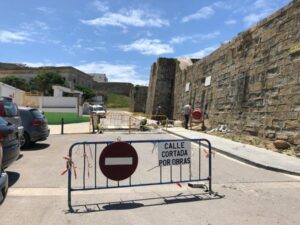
<point x="138" y="98"/>
<point x="251" y="83"/>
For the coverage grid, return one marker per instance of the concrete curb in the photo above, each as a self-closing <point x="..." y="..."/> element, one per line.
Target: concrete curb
<point x="244" y="160"/>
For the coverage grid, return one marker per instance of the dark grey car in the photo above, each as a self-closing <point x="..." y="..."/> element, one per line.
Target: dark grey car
<point x="35" y="126"/>
<point x="3" y="180"/>
<point x="10" y="143"/>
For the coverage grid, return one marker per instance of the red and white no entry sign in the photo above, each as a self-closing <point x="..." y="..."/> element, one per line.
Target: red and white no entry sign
<point x="197" y="114"/>
<point x="118" y="161"/>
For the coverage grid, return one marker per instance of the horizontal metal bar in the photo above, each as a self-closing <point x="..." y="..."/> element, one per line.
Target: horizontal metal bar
<point x="142" y="141"/>
<point x="137" y="185"/>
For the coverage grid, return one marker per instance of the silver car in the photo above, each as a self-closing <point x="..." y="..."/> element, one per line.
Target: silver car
<point x="9" y="112"/>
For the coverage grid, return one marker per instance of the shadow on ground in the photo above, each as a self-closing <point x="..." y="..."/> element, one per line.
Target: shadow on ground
<point x="146" y="202"/>
<point x="13" y="177"/>
<point x="36" y="147"/>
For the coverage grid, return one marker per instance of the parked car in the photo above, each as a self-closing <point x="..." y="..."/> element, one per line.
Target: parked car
<point x="10" y="143"/>
<point x="3" y="179"/>
<point x="99" y="110"/>
<point x="9" y="111"/>
<point x="35" y="126"/>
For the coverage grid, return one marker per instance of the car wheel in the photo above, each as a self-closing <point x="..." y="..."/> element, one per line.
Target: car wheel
<point x="25" y="141"/>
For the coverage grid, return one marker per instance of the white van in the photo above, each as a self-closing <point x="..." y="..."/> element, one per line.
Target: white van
<point x="99" y="110"/>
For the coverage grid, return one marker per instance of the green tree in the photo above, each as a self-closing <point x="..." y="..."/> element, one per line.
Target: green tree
<point x="44" y="82"/>
<point x="16" y="82"/>
<point x="88" y="93"/>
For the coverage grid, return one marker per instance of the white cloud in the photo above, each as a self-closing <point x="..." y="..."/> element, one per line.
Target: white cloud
<point x="115" y="72"/>
<point x="14" y="37"/>
<point x="134" y="17"/>
<point x="223" y="5"/>
<point x="45" y="63"/>
<point x="148" y="47"/>
<point x="202" y="13"/>
<point x="194" y="38"/>
<point x="101" y="6"/>
<point x="200" y="54"/>
<point x="35" y="25"/>
<point x="258" y="9"/>
<point x="89" y="49"/>
<point x="253" y="18"/>
<point x="179" y="39"/>
<point x="260" y="4"/>
<point x="45" y="10"/>
<point x="230" y="22"/>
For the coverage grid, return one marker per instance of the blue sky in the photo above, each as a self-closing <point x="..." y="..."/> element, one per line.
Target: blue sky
<point x="121" y="38"/>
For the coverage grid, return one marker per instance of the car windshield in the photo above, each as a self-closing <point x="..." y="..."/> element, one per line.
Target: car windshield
<point x="10" y="109"/>
<point x="98" y="108"/>
<point x="37" y="114"/>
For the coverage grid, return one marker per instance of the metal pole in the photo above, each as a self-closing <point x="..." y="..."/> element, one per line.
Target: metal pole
<point x="93" y="123"/>
<point x="84" y="159"/>
<point x="95" y="165"/>
<point x="129" y="124"/>
<point x="69" y="182"/>
<point x="209" y="168"/>
<point x="62" y="125"/>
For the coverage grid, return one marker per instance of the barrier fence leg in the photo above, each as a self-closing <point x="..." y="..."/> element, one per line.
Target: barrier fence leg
<point x="209" y="169"/>
<point x="129" y="121"/>
<point x="69" y="185"/>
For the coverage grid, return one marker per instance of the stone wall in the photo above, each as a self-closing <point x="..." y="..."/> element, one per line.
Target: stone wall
<point x="254" y="80"/>
<point x="161" y="86"/>
<point x="138" y="99"/>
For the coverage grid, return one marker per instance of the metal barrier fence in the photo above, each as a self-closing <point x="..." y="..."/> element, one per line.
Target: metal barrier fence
<point x="157" y="162"/>
<point x="142" y="120"/>
<point x="112" y="120"/>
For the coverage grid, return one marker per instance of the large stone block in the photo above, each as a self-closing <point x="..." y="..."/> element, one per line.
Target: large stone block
<point x="292" y="125"/>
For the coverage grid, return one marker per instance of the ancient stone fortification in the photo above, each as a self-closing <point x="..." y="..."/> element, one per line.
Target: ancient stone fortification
<point x="160" y="90"/>
<point x="252" y="83"/>
<point x="138" y="99"/>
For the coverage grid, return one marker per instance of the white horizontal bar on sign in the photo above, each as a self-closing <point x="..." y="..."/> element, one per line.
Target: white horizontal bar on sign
<point x="114" y="161"/>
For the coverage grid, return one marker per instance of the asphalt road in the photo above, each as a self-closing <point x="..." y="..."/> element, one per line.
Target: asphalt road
<point x="38" y="193"/>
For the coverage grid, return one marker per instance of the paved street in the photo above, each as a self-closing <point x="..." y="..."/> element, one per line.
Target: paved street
<point x="38" y="193"/>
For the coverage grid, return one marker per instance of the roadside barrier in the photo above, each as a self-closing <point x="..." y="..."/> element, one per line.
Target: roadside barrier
<point x="115" y="120"/>
<point x="127" y="121"/>
<point x="141" y="121"/>
<point x="136" y="163"/>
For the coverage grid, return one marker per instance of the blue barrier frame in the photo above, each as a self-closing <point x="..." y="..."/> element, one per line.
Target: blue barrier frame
<point x="197" y="141"/>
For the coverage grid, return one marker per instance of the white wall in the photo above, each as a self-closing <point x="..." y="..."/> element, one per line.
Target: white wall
<point x="16" y="94"/>
<point x="73" y="110"/>
<point x="54" y="104"/>
<point x="60" y="102"/>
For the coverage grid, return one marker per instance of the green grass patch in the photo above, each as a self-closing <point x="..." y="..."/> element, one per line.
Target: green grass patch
<point x="54" y="118"/>
<point x="117" y="101"/>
